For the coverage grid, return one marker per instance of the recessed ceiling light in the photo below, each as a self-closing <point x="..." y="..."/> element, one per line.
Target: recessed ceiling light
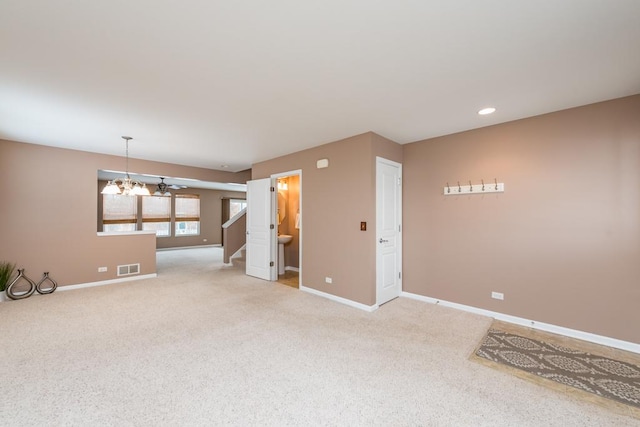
<point x="486" y="111"/>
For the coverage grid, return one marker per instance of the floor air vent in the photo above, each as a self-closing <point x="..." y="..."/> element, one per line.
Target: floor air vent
<point x="129" y="269"/>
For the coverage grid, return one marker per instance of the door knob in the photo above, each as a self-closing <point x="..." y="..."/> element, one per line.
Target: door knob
<point x="383" y="240"/>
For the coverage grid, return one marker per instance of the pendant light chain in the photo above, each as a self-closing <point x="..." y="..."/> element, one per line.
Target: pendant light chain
<point x="127" y="138"/>
<point x="126" y="186"/>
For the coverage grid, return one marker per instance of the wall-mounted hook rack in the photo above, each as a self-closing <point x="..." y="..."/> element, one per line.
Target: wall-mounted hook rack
<point x="496" y="187"/>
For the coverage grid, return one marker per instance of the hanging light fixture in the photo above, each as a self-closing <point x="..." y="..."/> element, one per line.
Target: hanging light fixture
<point x="162" y="190"/>
<point x="126" y="186"/>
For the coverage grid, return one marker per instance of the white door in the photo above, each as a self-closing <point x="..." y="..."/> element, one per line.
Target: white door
<point x="388" y="230"/>
<point x="260" y="234"/>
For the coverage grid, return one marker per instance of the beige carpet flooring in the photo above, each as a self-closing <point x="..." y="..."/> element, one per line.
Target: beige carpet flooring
<point x="203" y="344"/>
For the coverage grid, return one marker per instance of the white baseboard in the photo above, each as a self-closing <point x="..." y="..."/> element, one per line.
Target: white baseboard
<point x="106" y="282"/>
<point x="212" y="245"/>
<point x="4" y="298"/>
<point x="341" y="300"/>
<point x="560" y="330"/>
<point x="287" y="268"/>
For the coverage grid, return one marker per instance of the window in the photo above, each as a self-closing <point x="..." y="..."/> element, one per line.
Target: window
<point x="235" y="206"/>
<point x="156" y="215"/>
<point x="187" y="215"/>
<point x="119" y="213"/>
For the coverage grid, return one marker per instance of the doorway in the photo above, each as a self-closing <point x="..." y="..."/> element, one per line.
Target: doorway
<point x="288" y="225"/>
<point x="274" y="228"/>
<point x="388" y="230"/>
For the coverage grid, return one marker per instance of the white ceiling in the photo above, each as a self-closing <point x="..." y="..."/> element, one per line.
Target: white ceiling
<point x="209" y="82"/>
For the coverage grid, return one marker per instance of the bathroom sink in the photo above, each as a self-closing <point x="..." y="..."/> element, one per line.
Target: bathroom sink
<point x="284" y="238"/>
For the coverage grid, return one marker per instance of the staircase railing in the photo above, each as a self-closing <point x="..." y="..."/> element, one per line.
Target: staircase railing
<point x="234" y="235"/>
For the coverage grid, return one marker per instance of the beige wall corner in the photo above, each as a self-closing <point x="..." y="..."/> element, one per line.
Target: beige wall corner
<point x="562" y="243"/>
<point x="49" y="211"/>
<point x="334" y="202"/>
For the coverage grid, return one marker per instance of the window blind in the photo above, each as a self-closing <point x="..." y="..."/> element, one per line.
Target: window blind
<point x="118" y="209"/>
<point x="156" y="209"/>
<point x="187" y="207"/>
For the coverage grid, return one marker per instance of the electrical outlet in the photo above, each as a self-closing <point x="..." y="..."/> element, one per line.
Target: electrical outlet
<point x="102" y="269"/>
<point x="497" y="295"/>
<point x="328" y="280"/>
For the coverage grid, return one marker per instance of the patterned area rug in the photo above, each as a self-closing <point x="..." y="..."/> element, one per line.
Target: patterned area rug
<point x="602" y="376"/>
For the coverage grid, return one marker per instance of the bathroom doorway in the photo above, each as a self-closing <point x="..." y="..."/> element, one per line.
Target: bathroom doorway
<point x="289" y="227"/>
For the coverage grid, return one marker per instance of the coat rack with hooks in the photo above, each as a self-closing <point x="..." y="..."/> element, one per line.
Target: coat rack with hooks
<point x="469" y="188"/>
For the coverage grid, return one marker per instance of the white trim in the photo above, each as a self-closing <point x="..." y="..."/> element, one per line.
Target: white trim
<point x="581" y="335"/>
<point x="106" y="282"/>
<point x="124" y="233"/>
<point x="213" y="245"/>
<point x="88" y="285"/>
<point x="341" y="300"/>
<point x="235" y="218"/>
<point x="91" y="284"/>
<point x="287" y="268"/>
<point x="283" y="174"/>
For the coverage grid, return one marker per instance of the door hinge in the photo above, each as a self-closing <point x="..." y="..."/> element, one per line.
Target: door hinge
<point x="272" y="226"/>
<point x="271" y="264"/>
<point x="399" y="228"/>
<point x="399" y="181"/>
<point x="399" y="274"/>
<point x="273" y="189"/>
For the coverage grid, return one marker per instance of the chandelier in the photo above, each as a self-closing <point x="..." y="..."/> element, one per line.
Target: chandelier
<point x="126" y="186"/>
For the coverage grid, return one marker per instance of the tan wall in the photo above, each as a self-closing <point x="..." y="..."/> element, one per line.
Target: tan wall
<point x="562" y="243"/>
<point x="48" y="212"/>
<point x="210" y="219"/>
<point x="235" y="237"/>
<point x="334" y="202"/>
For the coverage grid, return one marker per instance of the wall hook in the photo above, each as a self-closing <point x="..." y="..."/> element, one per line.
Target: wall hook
<point x="483" y="188"/>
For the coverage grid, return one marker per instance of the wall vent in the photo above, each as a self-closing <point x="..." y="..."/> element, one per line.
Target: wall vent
<point x="129" y="269"/>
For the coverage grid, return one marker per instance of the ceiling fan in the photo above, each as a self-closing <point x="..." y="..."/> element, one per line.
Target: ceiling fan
<point x="177" y="187"/>
<point x="162" y="188"/>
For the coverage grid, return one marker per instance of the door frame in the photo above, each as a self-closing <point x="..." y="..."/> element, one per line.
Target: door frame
<point x="274" y="178"/>
<point x="382" y="160"/>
